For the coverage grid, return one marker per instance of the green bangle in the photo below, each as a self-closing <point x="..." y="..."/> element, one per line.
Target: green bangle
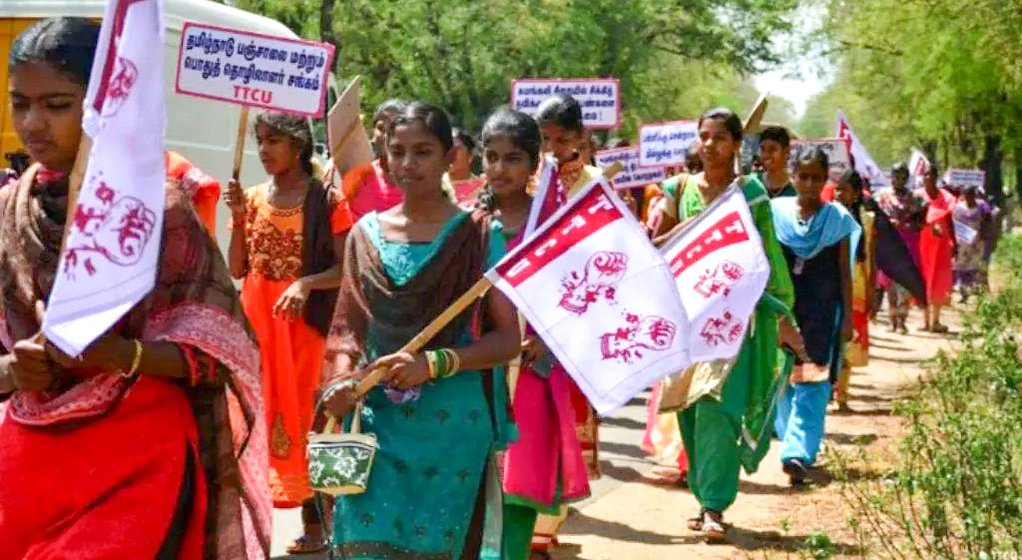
<point x="442" y="366"/>
<point x="453" y="361"/>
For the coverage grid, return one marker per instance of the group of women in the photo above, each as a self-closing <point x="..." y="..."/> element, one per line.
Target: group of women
<point x="173" y="435"/>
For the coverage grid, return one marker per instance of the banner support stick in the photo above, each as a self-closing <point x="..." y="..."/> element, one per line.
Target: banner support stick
<point x="239" y="144"/>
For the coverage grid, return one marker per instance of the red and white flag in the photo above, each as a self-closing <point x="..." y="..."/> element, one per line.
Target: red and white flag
<point x="111" y="253"/>
<point x="721" y="271"/>
<point x="600" y="297"/>
<point x="918" y="165"/>
<point x="549" y="196"/>
<point x="864" y="163"/>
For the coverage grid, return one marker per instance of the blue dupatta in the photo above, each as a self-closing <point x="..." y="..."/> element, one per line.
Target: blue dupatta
<point x="831" y="224"/>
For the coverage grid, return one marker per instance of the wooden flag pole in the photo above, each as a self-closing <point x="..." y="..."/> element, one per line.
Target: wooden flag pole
<point x="239" y="144"/>
<point x="431" y="330"/>
<point x="752" y="123"/>
<point x="613" y="170"/>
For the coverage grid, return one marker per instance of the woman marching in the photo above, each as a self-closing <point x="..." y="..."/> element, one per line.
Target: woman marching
<point x="567" y="140"/>
<point x="369" y="187"/>
<point x="738" y="398"/>
<point x="465" y="185"/>
<point x="543" y="469"/>
<point x="936" y="249"/>
<point x="906" y="211"/>
<point x="971" y="217"/>
<point x="818" y="240"/>
<point x="155" y="434"/>
<point x="850" y="194"/>
<point x="441" y="414"/>
<point x="287" y="237"/>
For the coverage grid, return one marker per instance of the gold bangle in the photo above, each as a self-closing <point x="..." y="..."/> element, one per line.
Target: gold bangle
<point x="135" y="362"/>
<point x="453" y="361"/>
<point x="431" y="365"/>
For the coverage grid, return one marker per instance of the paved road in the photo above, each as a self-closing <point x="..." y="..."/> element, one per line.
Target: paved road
<point x="621" y="461"/>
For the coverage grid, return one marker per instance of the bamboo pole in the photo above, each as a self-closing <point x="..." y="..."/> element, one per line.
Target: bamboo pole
<point x="431" y="330"/>
<point x="239" y="144"/>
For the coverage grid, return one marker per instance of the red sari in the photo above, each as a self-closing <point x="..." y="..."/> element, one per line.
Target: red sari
<point x="936" y="250"/>
<point x="102" y="467"/>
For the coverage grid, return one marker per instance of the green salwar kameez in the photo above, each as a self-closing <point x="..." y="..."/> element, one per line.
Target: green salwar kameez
<point x="722" y="434"/>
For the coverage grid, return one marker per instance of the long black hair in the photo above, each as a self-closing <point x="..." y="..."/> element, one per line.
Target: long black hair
<point x="296" y="128"/>
<point x="854" y="180"/>
<point x="433" y="119"/>
<point x="808" y="153"/>
<point x="728" y="118"/>
<point x="560" y="109"/>
<point x="389" y="107"/>
<point x="66" y="43"/>
<point x="522" y="131"/>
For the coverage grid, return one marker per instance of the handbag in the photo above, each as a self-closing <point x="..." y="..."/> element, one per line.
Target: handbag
<point x="340" y="463"/>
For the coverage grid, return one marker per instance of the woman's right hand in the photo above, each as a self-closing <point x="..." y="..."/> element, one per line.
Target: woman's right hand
<point x="791" y="337"/>
<point x="533" y="349"/>
<point x="340" y="401"/>
<point x="235" y="199"/>
<point x="30" y="368"/>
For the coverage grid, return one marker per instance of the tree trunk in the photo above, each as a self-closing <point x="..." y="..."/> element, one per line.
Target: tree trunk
<point x="992" y="165"/>
<point x="326" y="29"/>
<point x="1018" y="175"/>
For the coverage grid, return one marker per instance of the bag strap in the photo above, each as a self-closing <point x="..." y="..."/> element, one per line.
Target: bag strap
<point x="356" y="422"/>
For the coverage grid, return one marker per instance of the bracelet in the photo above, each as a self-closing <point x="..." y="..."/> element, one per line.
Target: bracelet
<point x="135" y="362"/>
<point x="431" y="365"/>
<point x="442" y="363"/>
<point x="454" y="360"/>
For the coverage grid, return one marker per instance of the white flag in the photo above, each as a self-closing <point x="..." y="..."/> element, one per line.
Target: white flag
<point x="918" y="165"/>
<point x="721" y="271"/>
<point x="600" y="297"/>
<point x="864" y="163"/>
<point x="110" y="256"/>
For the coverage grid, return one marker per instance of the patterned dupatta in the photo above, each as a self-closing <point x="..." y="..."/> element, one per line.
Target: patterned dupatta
<point x="369" y="298"/>
<point x="195" y="305"/>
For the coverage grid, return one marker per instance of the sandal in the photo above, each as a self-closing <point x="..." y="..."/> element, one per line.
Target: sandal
<point x="696" y="523"/>
<point x="939" y="329"/>
<point x="307" y="545"/>
<point x="714" y="530"/>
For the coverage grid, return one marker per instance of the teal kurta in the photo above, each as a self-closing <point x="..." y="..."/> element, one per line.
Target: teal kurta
<point x="723" y="435"/>
<point x="434" y="447"/>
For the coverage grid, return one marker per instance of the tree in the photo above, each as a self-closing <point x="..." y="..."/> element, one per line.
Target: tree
<point x="673" y="57"/>
<point x="942" y="75"/>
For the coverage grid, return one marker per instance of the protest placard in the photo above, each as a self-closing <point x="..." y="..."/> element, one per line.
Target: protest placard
<point x="666" y="143"/>
<point x="253" y="69"/>
<point x="349" y="144"/>
<point x="835" y="148"/>
<point x="631" y="175"/>
<point x="600" y="98"/>
<point x="965" y="177"/>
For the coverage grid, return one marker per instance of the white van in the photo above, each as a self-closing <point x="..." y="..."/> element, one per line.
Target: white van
<point x="202" y="131"/>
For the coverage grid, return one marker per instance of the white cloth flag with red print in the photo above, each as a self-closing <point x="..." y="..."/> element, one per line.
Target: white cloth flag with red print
<point x="110" y="256"/>
<point x="918" y="165"/>
<point x="864" y="162"/>
<point x="721" y="271"/>
<point x="600" y="297"/>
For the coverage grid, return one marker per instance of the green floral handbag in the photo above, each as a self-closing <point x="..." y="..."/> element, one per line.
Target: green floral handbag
<point x="340" y="463"/>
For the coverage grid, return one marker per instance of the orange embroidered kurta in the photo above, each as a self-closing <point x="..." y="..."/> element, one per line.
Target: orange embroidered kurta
<point x="291" y="352"/>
